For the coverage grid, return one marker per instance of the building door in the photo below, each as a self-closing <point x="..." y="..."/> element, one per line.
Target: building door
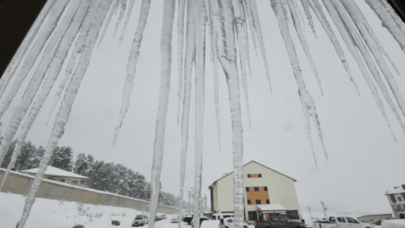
<point x="252" y="216"/>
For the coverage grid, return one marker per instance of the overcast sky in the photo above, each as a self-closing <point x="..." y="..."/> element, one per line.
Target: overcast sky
<point x="364" y="158"/>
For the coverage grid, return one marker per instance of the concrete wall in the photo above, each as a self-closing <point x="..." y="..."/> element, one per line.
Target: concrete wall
<point x="20" y="184"/>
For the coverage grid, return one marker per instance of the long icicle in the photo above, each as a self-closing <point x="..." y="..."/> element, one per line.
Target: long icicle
<point x="258" y="29"/>
<point x="188" y="70"/>
<point x="237" y="8"/>
<point x="250" y="20"/>
<point x="309" y="15"/>
<point x="362" y="25"/>
<point x="180" y="51"/>
<point x="123" y="4"/>
<point x="17" y="58"/>
<point x="111" y="11"/>
<point x="308" y="105"/>
<point x="165" y="72"/>
<point x="129" y="13"/>
<point x="214" y="37"/>
<point x="43" y="36"/>
<point x="34" y="84"/>
<point x="200" y="25"/>
<point x="223" y="18"/>
<point x="304" y="43"/>
<point x="316" y="7"/>
<point x="98" y="10"/>
<point x="347" y="37"/>
<point x="53" y="73"/>
<point x="131" y="67"/>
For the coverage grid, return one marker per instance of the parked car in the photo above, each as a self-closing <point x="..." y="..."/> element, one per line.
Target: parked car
<point x="187" y="218"/>
<point x="164" y="216"/>
<point x="219" y="216"/>
<point x="342" y="222"/>
<point x="230" y="223"/>
<point x="78" y="226"/>
<point x="140" y="220"/>
<point x="280" y="222"/>
<point x="115" y="222"/>
<point x="174" y="219"/>
<point x="202" y="218"/>
<point x="394" y="223"/>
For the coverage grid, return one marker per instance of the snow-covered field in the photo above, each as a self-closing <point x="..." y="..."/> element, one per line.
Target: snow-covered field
<point x="63" y="214"/>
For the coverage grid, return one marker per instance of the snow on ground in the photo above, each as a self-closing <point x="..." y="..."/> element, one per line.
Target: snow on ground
<point x="48" y="213"/>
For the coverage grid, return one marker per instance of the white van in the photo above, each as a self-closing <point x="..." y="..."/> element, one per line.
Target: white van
<point x="220" y="216"/>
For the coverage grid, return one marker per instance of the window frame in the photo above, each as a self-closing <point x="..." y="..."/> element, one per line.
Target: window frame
<point x="266" y="189"/>
<point x="249" y="202"/>
<point x="256" y="189"/>
<point x="247" y="189"/>
<point x="249" y="176"/>
<point x="258" y="202"/>
<point x="267" y="201"/>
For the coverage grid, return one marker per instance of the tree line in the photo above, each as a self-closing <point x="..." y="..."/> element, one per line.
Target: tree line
<point x="104" y="176"/>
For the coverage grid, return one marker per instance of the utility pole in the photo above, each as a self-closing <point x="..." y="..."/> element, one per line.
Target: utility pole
<point x="324" y="210"/>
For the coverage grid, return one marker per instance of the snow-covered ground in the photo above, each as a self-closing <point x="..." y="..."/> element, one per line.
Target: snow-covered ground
<point x="63" y="214"/>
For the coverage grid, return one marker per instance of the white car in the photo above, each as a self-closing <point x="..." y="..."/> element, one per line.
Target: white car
<point x="395" y="223"/>
<point x="174" y="219"/>
<point x="230" y="223"/>
<point x="219" y="216"/>
<point x="140" y="220"/>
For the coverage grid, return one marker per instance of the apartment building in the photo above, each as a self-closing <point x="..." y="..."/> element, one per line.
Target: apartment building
<point x="266" y="192"/>
<point x="396" y="198"/>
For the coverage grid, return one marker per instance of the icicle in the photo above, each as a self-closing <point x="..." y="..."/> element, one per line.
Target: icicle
<point x="111" y="11"/>
<point x="96" y="14"/>
<point x="214" y="37"/>
<point x="131" y="67"/>
<point x="129" y="13"/>
<point x="53" y="73"/>
<point x="250" y="21"/>
<point x="316" y="7"/>
<point x="48" y="56"/>
<point x="304" y="44"/>
<point x="166" y="60"/>
<point x="308" y="14"/>
<point x="366" y="55"/>
<point x="308" y="105"/>
<point x="17" y="58"/>
<point x="362" y="25"/>
<point x="123" y="7"/>
<point x="188" y="69"/>
<point x="237" y="8"/>
<point x="43" y="36"/>
<point x="297" y="9"/>
<point x="222" y="17"/>
<point x="348" y="38"/>
<point x="180" y="55"/>
<point x="258" y="30"/>
<point x="200" y="25"/>
<point x="391" y="22"/>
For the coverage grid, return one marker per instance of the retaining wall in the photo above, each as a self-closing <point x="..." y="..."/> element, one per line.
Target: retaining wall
<point x="18" y="183"/>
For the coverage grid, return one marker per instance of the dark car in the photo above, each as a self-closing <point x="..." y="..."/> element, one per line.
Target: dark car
<point x="115" y="222"/>
<point x="187" y="219"/>
<point x="279" y="222"/>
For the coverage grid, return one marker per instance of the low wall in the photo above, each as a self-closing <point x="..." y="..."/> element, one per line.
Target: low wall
<point x="18" y="183"/>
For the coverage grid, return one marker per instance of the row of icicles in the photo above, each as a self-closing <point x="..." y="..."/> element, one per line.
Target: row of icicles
<point x="79" y="25"/>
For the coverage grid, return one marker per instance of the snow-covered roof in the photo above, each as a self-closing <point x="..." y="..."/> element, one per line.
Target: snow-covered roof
<point x="271" y="207"/>
<point x="396" y="191"/>
<point x="52" y="171"/>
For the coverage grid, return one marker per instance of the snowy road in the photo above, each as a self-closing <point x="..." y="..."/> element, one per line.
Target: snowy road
<point x="62" y="214"/>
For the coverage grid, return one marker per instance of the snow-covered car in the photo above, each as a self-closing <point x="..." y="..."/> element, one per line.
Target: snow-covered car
<point x="78" y="226"/>
<point x="342" y="222"/>
<point x="219" y="216"/>
<point x="230" y="223"/>
<point x="395" y="223"/>
<point x="164" y="216"/>
<point x="140" y="220"/>
<point x="174" y="219"/>
<point x="115" y="222"/>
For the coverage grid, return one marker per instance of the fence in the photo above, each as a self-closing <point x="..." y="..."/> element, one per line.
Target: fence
<point x="18" y="183"/>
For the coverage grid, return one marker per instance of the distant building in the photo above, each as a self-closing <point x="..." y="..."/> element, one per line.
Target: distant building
<point x="56" y="174"/>
<point x="266" y="192"/>
<point x="396" y="198"/>
<point x="376" y="217"/>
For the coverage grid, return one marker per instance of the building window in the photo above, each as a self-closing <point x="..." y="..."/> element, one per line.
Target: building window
<point x="267" y="201"/>
<point x="258" y="202"/>
<point x="249" y="202"/>
<point x="256" y="189"/>
<point x="249" y="176"/>
<point x="399" y="198"/>
<point x="252" y="215"/>
<point x="265" y="189"/>
<point x="260" y="175"/>
<point x="247" y="189"/>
